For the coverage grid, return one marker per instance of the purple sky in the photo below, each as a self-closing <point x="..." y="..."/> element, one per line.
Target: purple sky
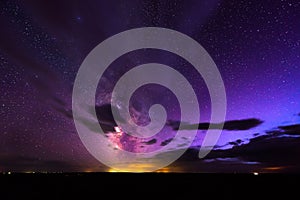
<point x="255" y="44"/>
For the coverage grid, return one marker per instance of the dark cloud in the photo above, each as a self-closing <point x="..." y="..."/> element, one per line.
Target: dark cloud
<point x="268" y="155"/>
<point x="244" y="124"/>
<point x="235" y="143"/>
<point x="182" y="145"/>
<point x="104" y="114"/>
<point x="276" y="147"/>
<point x="150" y="142"/>
<point x="105" y="119"/>
<point x="275" y="150"/>
<point x="165" y="142"/>
<point x="267" y="150"/>
<point x="291" y="129"/>
<point x="107" y="122"/>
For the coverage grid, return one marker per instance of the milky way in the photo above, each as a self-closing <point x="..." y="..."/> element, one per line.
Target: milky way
<point x="255" y="44"/>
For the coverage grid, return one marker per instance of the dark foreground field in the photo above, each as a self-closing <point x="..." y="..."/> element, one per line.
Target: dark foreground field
<point x="61" y="185"/>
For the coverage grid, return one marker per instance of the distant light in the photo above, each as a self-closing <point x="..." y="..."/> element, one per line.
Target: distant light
<point x="8" y="172"/>
<point x="255" y="173"/>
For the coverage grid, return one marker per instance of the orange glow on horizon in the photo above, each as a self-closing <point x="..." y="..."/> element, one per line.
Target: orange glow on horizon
<point x="139" y="168"/>
<point x="274" y="168"/>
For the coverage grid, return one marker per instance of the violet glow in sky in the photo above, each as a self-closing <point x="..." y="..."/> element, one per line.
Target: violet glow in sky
<point x="255" y="44"/>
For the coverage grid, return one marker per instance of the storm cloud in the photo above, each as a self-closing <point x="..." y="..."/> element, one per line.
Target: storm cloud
<point x="244" y="124"/>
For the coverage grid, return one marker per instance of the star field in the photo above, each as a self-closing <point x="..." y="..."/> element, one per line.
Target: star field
<point x="255" y="44"/>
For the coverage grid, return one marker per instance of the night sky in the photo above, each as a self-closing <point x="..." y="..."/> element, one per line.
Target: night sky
<point x="255" y="44"/>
